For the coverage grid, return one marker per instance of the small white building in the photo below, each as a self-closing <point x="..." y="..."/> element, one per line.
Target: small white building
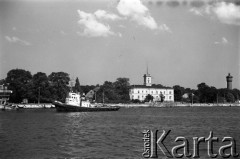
<point x="141" y="91"/>
<point x="4" y="94"/>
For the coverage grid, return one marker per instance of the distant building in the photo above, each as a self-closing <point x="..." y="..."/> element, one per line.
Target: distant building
<point x="141" y="91"/>
<point x="4" y="94"/>
<point x="229" y="81"/>
<point x="90" y="95"/>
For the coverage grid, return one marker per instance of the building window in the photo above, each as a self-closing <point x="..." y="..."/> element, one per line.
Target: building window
<point x="138" y="91"/>
<point x="170" y="92"/>
<point x="142" y="91"/>
<point x="156" y="92"/>
<point x="164" y="92"/>
<point x="138" y="97"/>
<point x="133" y="97"/>
<point x="169" y="97"/>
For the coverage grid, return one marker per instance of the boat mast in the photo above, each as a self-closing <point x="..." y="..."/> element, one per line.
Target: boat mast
<point x="71" y="84"/>
<point x="103" y="97"/>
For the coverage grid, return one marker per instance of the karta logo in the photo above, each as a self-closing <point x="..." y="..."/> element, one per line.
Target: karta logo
<point x="152" y="144"/>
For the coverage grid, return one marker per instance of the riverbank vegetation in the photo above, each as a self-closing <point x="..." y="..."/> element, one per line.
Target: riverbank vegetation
<point x="205" y="94"/>
<point x="47" y="88"/>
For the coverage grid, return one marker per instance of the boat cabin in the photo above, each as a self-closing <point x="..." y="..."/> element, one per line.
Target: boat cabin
<point x="75" y="99"/>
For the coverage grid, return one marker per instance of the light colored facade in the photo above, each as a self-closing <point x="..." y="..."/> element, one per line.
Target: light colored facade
<point x="141" y="91"/>
<point x="4" y="94"/>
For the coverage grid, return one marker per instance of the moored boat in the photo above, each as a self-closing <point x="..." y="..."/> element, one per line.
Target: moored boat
<point x="74" y="103"/>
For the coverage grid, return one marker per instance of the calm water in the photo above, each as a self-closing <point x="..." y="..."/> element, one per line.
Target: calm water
<point x="47" y="134"/>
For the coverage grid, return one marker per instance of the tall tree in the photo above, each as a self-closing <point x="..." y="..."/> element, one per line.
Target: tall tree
<point x="178" y="92"/>
<point x="110" y="94"/>
<point x="202" y="92"/>
<point x="40" y="87"/>
<point x="59" y="82"/>
<point x="19" y="82"/>
<point x="122" y="87"/>
<point x="77" y="87"/>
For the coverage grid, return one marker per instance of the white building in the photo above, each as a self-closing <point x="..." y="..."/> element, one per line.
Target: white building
<point x="141" y="91"/>
<point x="4" y="94"/>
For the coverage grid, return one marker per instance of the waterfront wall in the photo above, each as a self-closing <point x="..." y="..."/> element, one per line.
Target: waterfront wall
<point x="172" y="104"/>
<point x="33" y="105"/>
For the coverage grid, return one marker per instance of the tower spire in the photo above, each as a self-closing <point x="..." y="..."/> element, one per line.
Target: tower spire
<point x="147" y="68"/>
<point x="147" y="78"/>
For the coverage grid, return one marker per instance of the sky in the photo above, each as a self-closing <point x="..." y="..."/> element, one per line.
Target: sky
<point x="181" y="42"/>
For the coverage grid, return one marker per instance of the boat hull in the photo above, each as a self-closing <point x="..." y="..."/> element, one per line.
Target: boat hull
<point x="61" y="107"/>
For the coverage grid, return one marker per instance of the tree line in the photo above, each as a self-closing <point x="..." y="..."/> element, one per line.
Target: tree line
<point x="205" y="94"/>
<point x="47" y="88"/>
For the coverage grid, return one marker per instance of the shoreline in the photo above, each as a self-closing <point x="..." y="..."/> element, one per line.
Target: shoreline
<point x="128" y="105"/>
<point x="177" y="105"/>
<point x="27" y="106"/>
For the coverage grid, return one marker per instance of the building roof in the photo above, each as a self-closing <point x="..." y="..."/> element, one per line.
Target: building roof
<point x="147" y="75"/>
<point x="153" y="86"/>
<point x="90" y="94"/>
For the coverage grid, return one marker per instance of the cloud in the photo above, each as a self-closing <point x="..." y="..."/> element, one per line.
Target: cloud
<point x="164" y="27"/>
<point x="91" y="27"/>
<point x="121" y="26"/>
<point x="17" y="40"/>
<point x="94" y="24"/>
<point x="227" y="13"/>
<point x="63" y="33"/>
<point x="196" y="11"/>
<point x="102" y="14"/>
<point x="136" y="11"/>
<point x="223" y="41"/>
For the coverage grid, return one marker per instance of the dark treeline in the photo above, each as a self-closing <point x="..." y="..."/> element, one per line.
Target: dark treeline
<point x="47" y="88"/>
<point x="205" y="94"/>
<point x="36" y="87"/>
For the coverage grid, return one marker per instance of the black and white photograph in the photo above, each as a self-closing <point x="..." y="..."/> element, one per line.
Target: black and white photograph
<point x="119" y="79"/>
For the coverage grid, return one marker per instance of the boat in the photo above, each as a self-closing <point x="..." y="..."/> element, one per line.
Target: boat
<point x="74" y="103"/>
<point x="8" y="107"/>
